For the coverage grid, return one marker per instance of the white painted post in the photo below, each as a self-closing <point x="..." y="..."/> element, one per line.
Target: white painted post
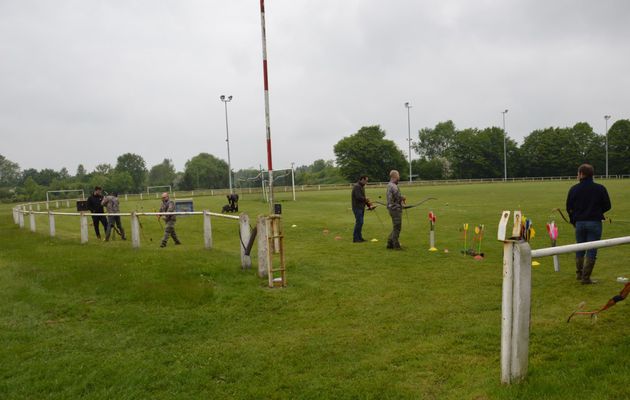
<point x="57" y="203"/>
<point x="521" y="307"/>
<point x="30" y="207"/>
<point x="262" y="245"/>
<point x="84" y="228"/>
<point x="140" y="195"/>
<point x="556" y="264"/>
<point x="432" y="239"/>
<point x="207" y="230"/>
<point x="135" y="231"/>
<point x="16" y="219"/>
<point x="506" y="312"/>
<point x="38" y="207"/>
<point x="32" y="222"/>
<point x="21" y="218"/>
<point x="51" y="223"/>
<point x="68" y="203"/>
<point x="243" y="220"/>
<point x="47" y="206"/>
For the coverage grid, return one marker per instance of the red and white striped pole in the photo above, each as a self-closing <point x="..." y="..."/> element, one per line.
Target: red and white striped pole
<point x="266" y="87"/>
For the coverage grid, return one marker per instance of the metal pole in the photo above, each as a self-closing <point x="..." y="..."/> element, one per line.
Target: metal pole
<point x="504" y="147"/>
<point x="606" y="117"/>
<point x="408" y="106"/>
<point x="266" y="89"/>
<point x="226" y="100"/>
<point x="293" y="180"/>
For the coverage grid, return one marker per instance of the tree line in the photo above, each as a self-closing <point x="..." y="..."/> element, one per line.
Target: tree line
<point x="441" y="152"/>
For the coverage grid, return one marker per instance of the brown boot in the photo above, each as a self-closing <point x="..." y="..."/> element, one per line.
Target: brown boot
<point x="579" y="265"/>
<point x="589" y="264"/>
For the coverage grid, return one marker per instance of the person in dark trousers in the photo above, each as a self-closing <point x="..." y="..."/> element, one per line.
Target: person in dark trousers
<point x="95" y="207"/>
<point x="586" y="204"/>
<point x="359" y="201"/>
<point x="113" y="206"/>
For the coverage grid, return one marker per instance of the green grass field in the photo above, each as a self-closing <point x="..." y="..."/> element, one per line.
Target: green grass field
<point x="105" y="321"/>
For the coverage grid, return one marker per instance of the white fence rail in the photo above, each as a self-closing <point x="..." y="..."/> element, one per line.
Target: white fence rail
<point x="27" y="209"/>
<point x="516" y="300"/>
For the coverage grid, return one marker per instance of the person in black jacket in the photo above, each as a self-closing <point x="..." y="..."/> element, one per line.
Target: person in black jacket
<point x="95" y="206"/>
<point x="359" y="201"/>
<point x="586" y="204"/>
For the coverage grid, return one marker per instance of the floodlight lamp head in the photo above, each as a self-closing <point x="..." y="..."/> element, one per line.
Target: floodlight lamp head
<point x="505" y="112"/>
<point x="222" y="97"/>
<point x="229" y="98"/>
<point x="607" y="117"/>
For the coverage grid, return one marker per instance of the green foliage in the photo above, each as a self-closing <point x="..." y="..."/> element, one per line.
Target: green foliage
<point x="9" y="172"/>
<point x="136" y="167"/>
<point x="320" y="172"/>
<point x="121" y="182"/>
<point x="436" y="142"/>
<point x="619" y="148"/>
<point x="162" y="174"/>
<point x="367" y="152"/>
<point x="433" y="169"/>
<point x="205" y="171"/>
<point x="81" y="173"/>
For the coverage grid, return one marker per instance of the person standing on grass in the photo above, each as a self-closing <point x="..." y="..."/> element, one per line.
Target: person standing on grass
<point x="168" y="206"/>
<point x="586" y="204"/>
<point x="359" y="201"/>
<point x="395" y="202"/>
<point x="112" y="204"/>
<point x="95" y="207"/>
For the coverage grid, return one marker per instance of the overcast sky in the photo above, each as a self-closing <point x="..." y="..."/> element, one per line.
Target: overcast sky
<point x="85" y="81"/>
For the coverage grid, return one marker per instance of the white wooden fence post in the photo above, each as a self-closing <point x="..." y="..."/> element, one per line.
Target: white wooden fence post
<point x="207" y="230"/>
<point x="522" y="293"/>
<point x="84" y="228"/>
<point x="51" y="223"/>
<point x="38" y="207"/>
<point x="47" y="206"/>
<point x="245" y="234"/>
<point x="57" y="203"/>
<point x="262" y="245"/>
<point x="506" y="311"/>
<point x="125" y="196"/>
<point x="516" y="307"/>
<point x="68" y="203"/>
<point x="16" y="219"/>
<point x="30" y="207"/>
<point x="32" y="222"/>
<point x="140" y="196"/>
<point x="21" y="218"/>
<point x="135" y="231"/>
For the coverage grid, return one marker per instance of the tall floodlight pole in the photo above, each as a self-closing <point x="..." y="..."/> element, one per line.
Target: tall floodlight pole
<point x="606" y="117"/>
<point x="408" y="106"/>
<point x="504" y="147"/>
<point x="266" y="88"/>
<point x="226" y="100"/>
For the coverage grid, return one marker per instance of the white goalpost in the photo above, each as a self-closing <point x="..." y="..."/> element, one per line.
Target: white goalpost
<point x="65" y="191"/>
<point x="159" y="187"/>
<point x="265" y="182"/>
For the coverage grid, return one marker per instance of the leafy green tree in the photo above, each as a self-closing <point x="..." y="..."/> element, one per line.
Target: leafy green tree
<point x="81" y="173"/>
<point x="136" y="167"/>
<point x="103" y="169"/>
<point x="619" y="148"/>
<point x="9" y="172"/>
<point x="368" y="152"/>
<point x="436" y="142"/>
<point x="205" y="171"/>
<point x="320" y="172"/>
<point x="121" y="182"/>
<point x="32" y="190"/>
<point x="162" y="174"/>
<point x="433" y="169"/>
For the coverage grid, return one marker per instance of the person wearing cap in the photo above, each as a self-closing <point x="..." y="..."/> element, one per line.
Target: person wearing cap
<point x="586" y="204"/>
<point x="112" y="204"/>
<point x="168" y="205"/>
<point x="95" y="207"/>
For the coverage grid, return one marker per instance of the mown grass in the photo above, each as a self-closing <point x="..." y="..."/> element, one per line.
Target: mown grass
<point x="103" y="320"/>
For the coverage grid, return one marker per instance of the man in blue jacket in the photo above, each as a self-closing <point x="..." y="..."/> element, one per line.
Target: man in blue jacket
<point x="586" y="204"/>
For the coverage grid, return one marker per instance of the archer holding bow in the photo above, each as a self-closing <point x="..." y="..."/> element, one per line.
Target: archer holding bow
<point x="395" y="204"/>
<point x="359" y="202"/>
